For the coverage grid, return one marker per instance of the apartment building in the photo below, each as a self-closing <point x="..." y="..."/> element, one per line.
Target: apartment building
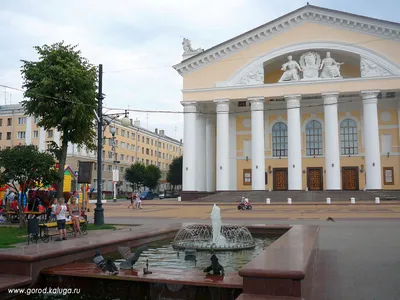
<point x="132" y="144"/>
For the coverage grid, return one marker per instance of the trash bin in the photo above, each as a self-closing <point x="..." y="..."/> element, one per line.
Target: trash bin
<point x="33" y="230"/>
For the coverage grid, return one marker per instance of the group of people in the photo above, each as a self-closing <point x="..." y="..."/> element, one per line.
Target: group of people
<point x="136" y="202"/>
<point x="59" y="210"/>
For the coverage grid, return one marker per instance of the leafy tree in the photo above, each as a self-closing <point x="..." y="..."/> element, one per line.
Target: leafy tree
<point x="135" y="175"/>
<point x="61" y="92"/>
<point x="26" y="167"/>
<point x="152" y="176"/>
<point x="174" y="175"/>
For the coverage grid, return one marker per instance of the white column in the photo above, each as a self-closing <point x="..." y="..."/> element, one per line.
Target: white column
<point x="200" y="152"/>
<point x="189" y="139"/>
<point x="257" y="144"/>
<point x="42" y="139"/>
<point x="294" y="142"/>
<point x="28" y="131"/>
<point x="210" y="154"/>
<point x="372" y="147"/>
<point x="222" y="165"/>
<point x="232" y="153"/>
<point x="332" y="148"/>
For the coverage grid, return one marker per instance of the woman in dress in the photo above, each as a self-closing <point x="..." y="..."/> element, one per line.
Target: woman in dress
<point x="74" y="212"/>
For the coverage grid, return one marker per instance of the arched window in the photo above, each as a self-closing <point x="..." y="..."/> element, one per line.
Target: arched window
<point x="279" y="140"/>
<point x="313" y="138"/>
<point x="348" y="137"/>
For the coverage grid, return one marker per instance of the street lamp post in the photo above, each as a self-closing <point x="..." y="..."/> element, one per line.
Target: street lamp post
<point x="113" y="130"/>
<point x="99" y="210"/>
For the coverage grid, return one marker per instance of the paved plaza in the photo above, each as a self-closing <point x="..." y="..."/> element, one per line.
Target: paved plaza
<point x="359" y="254"/>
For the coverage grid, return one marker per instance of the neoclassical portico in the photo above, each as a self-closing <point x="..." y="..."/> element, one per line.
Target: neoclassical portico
<point x="270" y="110"/>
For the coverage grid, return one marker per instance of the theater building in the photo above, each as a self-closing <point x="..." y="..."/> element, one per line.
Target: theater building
<point x="308" y="101"/>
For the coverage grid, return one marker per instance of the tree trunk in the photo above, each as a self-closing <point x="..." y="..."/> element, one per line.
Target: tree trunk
<point x="63" y="158"/>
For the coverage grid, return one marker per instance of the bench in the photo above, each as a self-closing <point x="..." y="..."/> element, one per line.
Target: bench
<point x="44" y="229"/>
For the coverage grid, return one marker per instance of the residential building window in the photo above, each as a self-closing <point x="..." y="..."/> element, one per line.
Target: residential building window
<point x="138" y="137"/>
<point x="8" y="136"/>
<point x="110" y="154"/>
<point x="1" y="122"/>
<point x="142" y="150"/>
<point x="35" y="120"/>
<point x="127" y="134"/>
<point x="138" y="149"/>
<point x="133" y="159"/>
<point x="142" y="139"/>
<point x="133" y="136"/>
<point x="35" y="134"/>
<point x="122" y="145"/>
<point x="151" y="152"/>
<point x="116" y="156"/>
<point x="117" y="132"/>
<point x="133" y="147"/>
<point x="109" y="168"/>
<point x="348" y="137"/>
<point x="147" y="141"/>
<point x="104" y="154"/>
<point x="147" y="151"/>
<point x="21" y="135"/>
<point x="122" y="157"/>
<point x="1" y="135"/>
<point x="152" y="142"/>
<point x="122" y="132"/>
<point x="50" y="133"/>
<point x="121" y="169"/>
<point x="128" y="146"/>
<point x="313" y="138"/>
<point x="279" y="140"/>
<point x="21" y="121"/>
<point x="147" y="162"/>
<point x="9" y="121"/>
<point x="110" y="142"/>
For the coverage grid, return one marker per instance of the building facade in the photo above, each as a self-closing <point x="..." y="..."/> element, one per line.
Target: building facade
<point x="132" y="144"/>
<point x="309" y="101"/>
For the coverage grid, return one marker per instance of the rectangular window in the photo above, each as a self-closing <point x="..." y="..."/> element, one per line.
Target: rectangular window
<point x="110" y="154"/>
<point x="122" y="156"/>
<point x="147" y="141"/>
<point x="1" y="135"/>
<point x="21" y="121"/>
<point x="138" y="137"/>
<point x="247" y="149"/>
<point x="142" y="139"/>
<point x="21" y="135"/>
<point x="8" y="135"/>
<point x="9" y="121"/>
<point x="147" y="162"/>
<point x="133" y="136"/>
<point x="147" y="151"/>
<point x="386" y="144"/>
<point x="109" y="168"/>
<point x="127" y="134"/>
<point x="35" y="134"/>
<point x="388" y="176"/>
<point x="122" y="132"/>
<point x="152" y="142"/>
<point x="1" y="122"/>
<point x="247" y="177"/>
<point x="50" y="133"/>
<point x="35" y="120"/>
<point x="151" y="152"/>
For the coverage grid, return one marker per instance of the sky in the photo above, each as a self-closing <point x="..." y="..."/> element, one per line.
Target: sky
<point x="138" y="41"/>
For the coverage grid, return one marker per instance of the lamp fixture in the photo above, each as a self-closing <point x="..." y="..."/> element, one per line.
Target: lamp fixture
<point x="362" y="168"/>
<point x="247" y="158"/>
<point x="269" y="169"/>
<point x="388" y="154"/>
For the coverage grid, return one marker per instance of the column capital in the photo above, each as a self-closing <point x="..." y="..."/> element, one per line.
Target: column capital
<point x="370" y="96"/>
<point x="292" y="101"/>
<point x="222" y="105"/>
<point x="189" y="106"/>
<point x="257" y="103"/>
<point x="330" y="97"/>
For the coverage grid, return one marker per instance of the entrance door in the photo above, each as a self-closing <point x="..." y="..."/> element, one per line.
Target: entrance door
<point x="281" y="179"/>
<point x="350" y="178"/>
<point x="315" y="180"/>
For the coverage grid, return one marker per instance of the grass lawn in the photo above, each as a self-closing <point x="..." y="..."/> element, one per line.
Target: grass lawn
<point x="11" y="235"/>
<point x="102" y="227"/>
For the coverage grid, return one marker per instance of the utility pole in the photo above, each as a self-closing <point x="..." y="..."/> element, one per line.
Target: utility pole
<point x="99" y="210"/>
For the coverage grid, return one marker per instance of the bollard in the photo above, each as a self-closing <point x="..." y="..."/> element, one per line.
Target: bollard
<point x="179" y="199"/>
<point x="353" y="200"/>
<point x="289" y="200"/>
<point x="268" y="201"/>
<point x="328" y="200"/>
<point x="377" y="200"/>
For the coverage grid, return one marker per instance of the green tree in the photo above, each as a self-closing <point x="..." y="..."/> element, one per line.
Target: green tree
<point x="174" y="175"/>
<point x="61" y="92"/>
<point x="135" y="175"/>
<point x="152" y="177"/>
<point x="26" y="167"/>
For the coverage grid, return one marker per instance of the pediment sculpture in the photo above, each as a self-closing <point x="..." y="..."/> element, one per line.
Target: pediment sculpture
<point x="310" y="63"/>
<point x="370" y="69"/>
<point x="188" y="51"/>
<point x="290" y="70"/>
<point x="255" y="76"/>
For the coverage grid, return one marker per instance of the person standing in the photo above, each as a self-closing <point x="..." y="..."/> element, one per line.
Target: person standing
<point x="132" y="200"/>
<point x="61" y="219"/>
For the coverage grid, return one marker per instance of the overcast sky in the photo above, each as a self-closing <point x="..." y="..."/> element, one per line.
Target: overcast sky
<point x="138" y="41"/>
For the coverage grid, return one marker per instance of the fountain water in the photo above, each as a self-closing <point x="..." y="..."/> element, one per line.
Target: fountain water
<point x="215" y="237"/>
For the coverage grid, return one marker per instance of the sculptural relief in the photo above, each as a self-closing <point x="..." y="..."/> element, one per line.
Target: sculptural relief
<point x="310" y="62"/>
<point x="291" y="70"/>
<point x="371" y="69"/>
<point x="330" y="68"/>
<point x="188" y="51"/>
<point x="255" y="76"/>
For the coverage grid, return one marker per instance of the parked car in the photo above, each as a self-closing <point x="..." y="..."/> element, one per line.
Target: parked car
<point x="148" y="195"/>
<point x="168" y="194"/>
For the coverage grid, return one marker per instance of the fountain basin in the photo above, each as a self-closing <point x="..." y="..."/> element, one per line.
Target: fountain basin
<point x="200" y="237"/>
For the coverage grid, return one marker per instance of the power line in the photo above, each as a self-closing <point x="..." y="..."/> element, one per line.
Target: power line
<point x="200" y="112"/>
<point x="222" y="60"/>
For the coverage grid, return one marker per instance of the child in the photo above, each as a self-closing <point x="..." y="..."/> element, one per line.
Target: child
<point x="61" y="209"/>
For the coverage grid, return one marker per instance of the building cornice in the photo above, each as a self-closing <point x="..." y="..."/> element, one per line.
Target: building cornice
<point x="310" y="13"/>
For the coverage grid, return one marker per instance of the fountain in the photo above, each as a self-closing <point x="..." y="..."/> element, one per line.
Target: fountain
<point x="215" y="237"/>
